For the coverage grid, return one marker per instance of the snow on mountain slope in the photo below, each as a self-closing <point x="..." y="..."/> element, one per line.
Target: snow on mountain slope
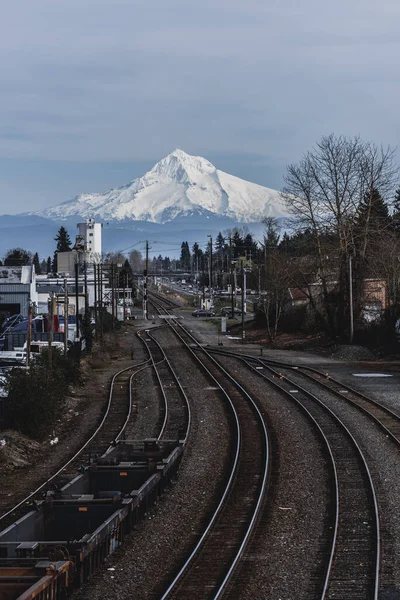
<point x="178" y="185"/>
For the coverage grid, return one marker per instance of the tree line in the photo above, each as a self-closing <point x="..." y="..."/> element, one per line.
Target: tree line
<point x="343" y="231"/>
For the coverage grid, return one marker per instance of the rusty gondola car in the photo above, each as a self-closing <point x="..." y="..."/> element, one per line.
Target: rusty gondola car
<point x="68" y="535"/>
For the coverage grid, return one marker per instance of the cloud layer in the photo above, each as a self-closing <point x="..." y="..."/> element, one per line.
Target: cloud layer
<point x="107" y="82"/>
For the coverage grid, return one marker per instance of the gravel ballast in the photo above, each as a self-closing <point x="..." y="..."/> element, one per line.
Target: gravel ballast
<point x="154" y="551"/>
<point x="283" y="559"/>
<point x="382" y="456"/>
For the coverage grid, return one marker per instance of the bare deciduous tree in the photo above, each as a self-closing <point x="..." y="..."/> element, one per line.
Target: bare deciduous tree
<point x="325" y="193"/>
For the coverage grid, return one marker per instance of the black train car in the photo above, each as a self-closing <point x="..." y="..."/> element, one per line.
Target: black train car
<point x="59" y="544"/>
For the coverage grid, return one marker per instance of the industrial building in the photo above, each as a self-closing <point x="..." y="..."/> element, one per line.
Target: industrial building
<point x="17" y="290"/>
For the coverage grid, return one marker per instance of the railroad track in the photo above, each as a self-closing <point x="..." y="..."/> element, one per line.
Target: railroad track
<point x="383" y="416"/>
<point x="175" y="408"/>
<point x="354" y="557"/>
<point x="212" y="562"/>
<point x="387" y="419"/>
<point x="353" y="560"/>
<point x="110" y="429"/>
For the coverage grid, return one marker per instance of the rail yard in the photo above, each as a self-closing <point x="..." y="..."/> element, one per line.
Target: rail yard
<point x="214" y="471"/>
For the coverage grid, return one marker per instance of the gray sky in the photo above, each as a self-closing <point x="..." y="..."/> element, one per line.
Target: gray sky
<point x="94" y="92"/>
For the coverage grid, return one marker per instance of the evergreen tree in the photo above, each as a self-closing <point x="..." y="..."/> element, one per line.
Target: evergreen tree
<point x="219" y="242"/>
<point x="185" y="256"/>
<point x="249" y="246"/>
<point x="36" y="262"/>
<point x="396" y="203"/>
<point x="17" y="257"/>
<point x="372" y="218"/>
<point x="271" y="234"/>
<point x="48" y="265"/>
<point x="284" y="244"/>
<point x="63" y="240"/>
<point x="238" y="244"/>
<point x="43" y="266"/>
<point x="166" y="264"/>
<point x="54" y="263"/>
<point x="396" y="211"/>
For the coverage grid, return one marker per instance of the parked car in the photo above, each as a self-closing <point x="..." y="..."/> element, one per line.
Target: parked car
<point x="202" y="312"/>
<point x="226" y="311"/>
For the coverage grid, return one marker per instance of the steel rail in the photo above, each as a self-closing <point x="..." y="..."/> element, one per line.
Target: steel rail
<point x="176" y="379"/>
<point x="359" y="400"/>
<point x="367" y="471"/>
<point x="223" y="497"/>
<point x="164" y="424"/>
<point x="187" y="403"/>
<point x="392" y="429"/>
<point x="128" y="417"/>
<point x="262" y="490"/>
<point x="75" y="456"/>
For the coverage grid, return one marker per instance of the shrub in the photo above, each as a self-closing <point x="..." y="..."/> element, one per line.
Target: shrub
<point x="36" y="396"/>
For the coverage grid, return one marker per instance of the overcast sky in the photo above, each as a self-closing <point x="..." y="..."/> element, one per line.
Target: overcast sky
<point x="94" y="92"/>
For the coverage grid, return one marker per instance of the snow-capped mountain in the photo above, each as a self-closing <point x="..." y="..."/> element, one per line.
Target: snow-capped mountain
<point x="179" y="185"/>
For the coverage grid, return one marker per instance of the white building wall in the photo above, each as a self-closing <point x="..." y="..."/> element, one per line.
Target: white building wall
<point x="91" y="234"/>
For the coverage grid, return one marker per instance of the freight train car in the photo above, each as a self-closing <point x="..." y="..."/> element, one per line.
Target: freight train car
<point x="69" y="534"/>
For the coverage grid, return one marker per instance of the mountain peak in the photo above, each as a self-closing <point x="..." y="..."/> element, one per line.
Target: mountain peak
<point x="182" y="166"/>
<point x="178" y="185"/>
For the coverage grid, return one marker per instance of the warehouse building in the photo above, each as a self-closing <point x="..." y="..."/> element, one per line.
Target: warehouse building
<point x="17" y="290"/>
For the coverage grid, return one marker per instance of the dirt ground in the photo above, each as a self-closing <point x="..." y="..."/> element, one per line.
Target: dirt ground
<point x="317" y="343"/>
<point x="81" y="415"/>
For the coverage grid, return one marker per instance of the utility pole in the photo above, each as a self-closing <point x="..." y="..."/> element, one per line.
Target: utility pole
<point x="117" y="284"/>
<point x="112" y="296"/>
<point x="242" y="286"/>
<point x="76" y="303"/>
<point x="351" y="297"/>
<point x="66" y="311"/>
<point x="231" y="277"/>
<point x="29" y="336"/>
<point x="96" y="313"/>
<point x="101" y="299"/>
<point x="51" y="326"/>
<point x="244" y="290"/>
<point x="211" y="266"/>
<point x="125" y="286"/>
<point x="86" y="291"/>
<point x="146" y="281"/>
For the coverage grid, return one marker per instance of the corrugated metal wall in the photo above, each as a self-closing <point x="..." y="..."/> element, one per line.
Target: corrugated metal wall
<point x="15" y="293"/>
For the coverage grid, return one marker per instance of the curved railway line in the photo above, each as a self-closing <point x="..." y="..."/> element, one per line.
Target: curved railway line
<point x="382" y="415"/>
<point x="176" y="414"/>
<point x="352" y="546"/>
<point x="138" y="472"/>
<point x="110" y="429"/>
<point x="354" y="560"/>
<point x="211" y="565"/>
